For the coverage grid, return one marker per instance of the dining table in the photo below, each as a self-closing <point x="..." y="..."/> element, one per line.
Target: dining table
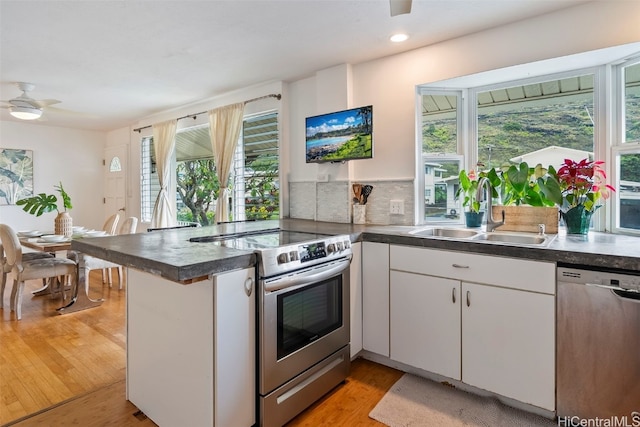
<point x="80" y="299"/>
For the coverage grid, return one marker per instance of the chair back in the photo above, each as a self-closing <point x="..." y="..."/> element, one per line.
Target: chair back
<point x="129" y="226"/>
<point x="111" y="224"/>
<point x="11" y="245"/>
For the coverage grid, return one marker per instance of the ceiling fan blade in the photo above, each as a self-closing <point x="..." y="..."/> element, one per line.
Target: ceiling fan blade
<point x="46" y="102"/>
<point x="400" y="7"/>
<point x="68" y="112"/>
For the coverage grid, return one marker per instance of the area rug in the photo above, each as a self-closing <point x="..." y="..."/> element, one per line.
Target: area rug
<point x="415" y="401"/>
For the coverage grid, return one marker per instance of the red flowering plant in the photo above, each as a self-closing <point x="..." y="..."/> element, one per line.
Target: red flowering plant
<point x="576" y="184"/>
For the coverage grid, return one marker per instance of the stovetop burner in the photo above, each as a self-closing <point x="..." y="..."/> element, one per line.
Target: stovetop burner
<point x="281" y="251"/>
<point x="263" y="239"/>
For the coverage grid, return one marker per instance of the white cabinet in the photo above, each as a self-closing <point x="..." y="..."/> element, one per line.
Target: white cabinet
<point x="355" y="301"/>
<point x="375" y="297"/>
<point x="425" y="322"/>
<point x="487" y="321"/>
<point x="508" y="343"/>
<point x="191" y="349"/>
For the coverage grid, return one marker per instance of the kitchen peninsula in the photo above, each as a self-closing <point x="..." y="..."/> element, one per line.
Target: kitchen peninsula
<point x="191" y="326"/>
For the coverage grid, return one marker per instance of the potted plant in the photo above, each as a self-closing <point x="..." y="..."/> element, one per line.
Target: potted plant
<point x="524" y="204"/>
<point x="576" y="188"/>
<point x="468" y="190"/>
<point x="41" y="203"/>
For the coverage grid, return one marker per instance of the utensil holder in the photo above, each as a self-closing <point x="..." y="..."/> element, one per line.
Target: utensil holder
<point x="359" y="214"/>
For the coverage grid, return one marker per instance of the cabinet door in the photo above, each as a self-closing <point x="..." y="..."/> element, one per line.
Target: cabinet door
<point x="355" y="278"/>
<point x="170" y="350"/>
<point x="375" y="297"/>
<point x="235" y="348"/>
<point x="425" y="322"/>
<point x="508" y="343"/>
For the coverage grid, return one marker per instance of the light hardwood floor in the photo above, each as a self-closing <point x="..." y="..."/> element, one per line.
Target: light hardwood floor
<point x="59" y="370"/>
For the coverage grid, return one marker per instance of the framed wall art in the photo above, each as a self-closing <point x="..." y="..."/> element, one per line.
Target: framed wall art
<point x="16" y="175"/>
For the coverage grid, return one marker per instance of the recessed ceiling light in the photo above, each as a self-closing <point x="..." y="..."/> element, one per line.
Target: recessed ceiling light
<point x="400" y="37"/>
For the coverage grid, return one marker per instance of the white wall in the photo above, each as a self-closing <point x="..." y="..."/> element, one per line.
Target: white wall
<point x="71" y="156"/>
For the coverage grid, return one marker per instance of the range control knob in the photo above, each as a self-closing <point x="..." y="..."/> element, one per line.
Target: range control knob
<point x="293" y="256"/>
<point x="347" y="244"/>
<point x="331" y="248"/>
<point x="283" y="258"/>
<point x="339" y="246"/>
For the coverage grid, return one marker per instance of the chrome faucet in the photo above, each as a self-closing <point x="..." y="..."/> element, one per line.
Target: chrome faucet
<point x="491" y="223"/>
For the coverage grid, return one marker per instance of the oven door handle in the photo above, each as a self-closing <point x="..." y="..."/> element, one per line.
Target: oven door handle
<point x="321" y="273"/>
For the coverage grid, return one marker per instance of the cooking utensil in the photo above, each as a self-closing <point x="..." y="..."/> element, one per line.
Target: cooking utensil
<point x="366" y="190"/>
<point x="357" y="193"/>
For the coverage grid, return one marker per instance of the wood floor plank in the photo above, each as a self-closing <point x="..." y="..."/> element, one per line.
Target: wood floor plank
<point x="70" y="370"/>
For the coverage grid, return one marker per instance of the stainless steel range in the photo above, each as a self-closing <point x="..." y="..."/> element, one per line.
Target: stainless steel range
<point x="303" y="318"/>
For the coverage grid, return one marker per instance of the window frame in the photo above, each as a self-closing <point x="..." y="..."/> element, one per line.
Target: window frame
<point x="461" y="136"/>
<point x="620" y="146"/>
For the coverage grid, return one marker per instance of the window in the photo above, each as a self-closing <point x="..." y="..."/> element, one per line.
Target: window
<point x="254" y="180"/>
<point x="256" y="183"/>
<point x="627" y="151"/>
<point x="632" y="103"/>
<point x="149" y="184"/>
<point x="538" y="120"/>
<point x="542" y="122"/>
<point x="440" y="160"/>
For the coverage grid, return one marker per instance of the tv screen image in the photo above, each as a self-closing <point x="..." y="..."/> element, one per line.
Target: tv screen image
<point x="340" y="136"/>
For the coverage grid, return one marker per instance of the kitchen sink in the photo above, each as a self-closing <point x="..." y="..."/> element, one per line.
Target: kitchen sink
<point x="522" y="239"/>
<point x="458" y="233"/>
<point x="527" y="239"/>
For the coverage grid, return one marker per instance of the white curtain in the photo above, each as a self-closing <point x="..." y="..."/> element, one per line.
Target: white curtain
<point x="164" y="142"/>
<point x="224" y="125"/>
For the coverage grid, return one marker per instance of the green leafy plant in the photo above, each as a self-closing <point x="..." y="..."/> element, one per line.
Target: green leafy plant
<point x="41" y="203"/>
<point x="468" y="189"/>
<point x="520" y="186"/>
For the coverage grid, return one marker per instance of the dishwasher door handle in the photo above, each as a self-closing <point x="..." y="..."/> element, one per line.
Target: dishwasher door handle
<point x="631" y="294"/>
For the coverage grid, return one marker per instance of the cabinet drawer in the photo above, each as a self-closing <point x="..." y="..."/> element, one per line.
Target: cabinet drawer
<point x="536" y="276"/>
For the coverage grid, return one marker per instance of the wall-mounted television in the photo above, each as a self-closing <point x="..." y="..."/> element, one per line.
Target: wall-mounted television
<point x="340" y="136"/>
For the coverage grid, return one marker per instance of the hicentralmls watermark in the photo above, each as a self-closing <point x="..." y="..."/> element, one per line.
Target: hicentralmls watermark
<point x="632" y="420"/>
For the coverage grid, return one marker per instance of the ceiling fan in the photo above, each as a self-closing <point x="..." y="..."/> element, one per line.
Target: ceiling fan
<point x="400" y="7"/>
<point x="24" y="107"/>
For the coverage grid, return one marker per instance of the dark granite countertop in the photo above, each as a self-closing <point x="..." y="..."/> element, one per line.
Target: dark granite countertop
<point x="170" y="254"/>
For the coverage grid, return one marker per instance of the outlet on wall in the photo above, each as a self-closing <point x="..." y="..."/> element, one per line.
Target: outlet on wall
<point x="396" y="207"/>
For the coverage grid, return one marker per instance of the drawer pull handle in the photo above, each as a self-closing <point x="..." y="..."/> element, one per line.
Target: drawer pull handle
<point x="453" y="295"/>
<point x="460" y="266"/>
<point x="468" y="298"/>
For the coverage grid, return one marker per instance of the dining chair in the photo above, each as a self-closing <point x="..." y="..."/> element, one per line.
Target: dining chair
<point x="111" y="224"/>
<point x="110" y="227"/>
<point x="41" y="268"/>
<point x="129" y="226"/>
<point x="6" y="269"/>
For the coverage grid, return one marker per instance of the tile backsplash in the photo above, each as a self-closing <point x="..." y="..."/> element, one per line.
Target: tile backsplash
<point x="332" y="201"/>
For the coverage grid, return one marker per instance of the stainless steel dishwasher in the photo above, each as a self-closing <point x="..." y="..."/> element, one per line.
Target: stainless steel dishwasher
<point x="598" y="344"/>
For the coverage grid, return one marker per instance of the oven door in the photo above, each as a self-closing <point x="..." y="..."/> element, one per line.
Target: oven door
<point x="304" y="319"/>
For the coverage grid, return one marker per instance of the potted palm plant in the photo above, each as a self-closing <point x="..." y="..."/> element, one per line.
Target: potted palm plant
<point x="42" y="203"/>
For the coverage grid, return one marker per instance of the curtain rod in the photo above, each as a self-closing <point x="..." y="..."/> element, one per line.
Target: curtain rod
<point x="273" y="95"/>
